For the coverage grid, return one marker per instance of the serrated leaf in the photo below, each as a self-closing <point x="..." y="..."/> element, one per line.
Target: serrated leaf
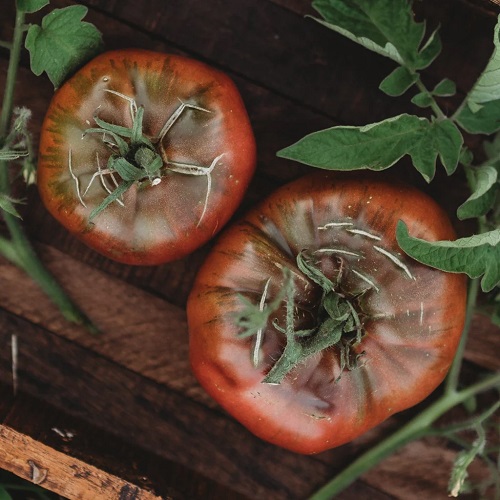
<point x="480" y="113"/>
<point x="448" y="141"/>
<point x="62" y="43"/>
<point x="445" y="88"/>
<point x="379" y="146"/>
<point x="31" y="6"/>
<point x="429" y="52"/>
<point x="422" y="100"/>
<point x="398" y="82"/>
<point x="386" y="27"/>
<point x="485" y="120"/>
<point x="475" y="256"/>
<point x="487" y="87"/>
<point x="484" y="196"/>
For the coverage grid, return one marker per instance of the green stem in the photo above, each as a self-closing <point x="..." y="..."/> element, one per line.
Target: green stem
<point x="434" y="105"/>
<point x="10" y="84"/>
<point x="416" y="428"/>
<point x="19" y="250"/>
<point x="452" y="379"/>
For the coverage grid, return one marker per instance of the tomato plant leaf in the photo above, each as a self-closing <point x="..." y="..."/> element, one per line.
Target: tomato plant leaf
<point x="422" y="100"/>
<point x="380" y="145"/>
<point x="448" y="141"/>
<point x="31" y="6"/>
<point x="476" y="256"/>
<point x="62" y="43"/>
<point x="484" y="196"/>
<point x="386" y="27"/>
<point x="445" y="88"/>
<point x="486" y="120"/>
<point x="481" y="110"/>
<point x="487" y="86"/>
<point x="398" y="82"/>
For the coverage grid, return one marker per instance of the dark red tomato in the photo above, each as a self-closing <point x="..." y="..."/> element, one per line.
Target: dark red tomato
<point x="367" y="331"/>
<point x="145" y="156"/>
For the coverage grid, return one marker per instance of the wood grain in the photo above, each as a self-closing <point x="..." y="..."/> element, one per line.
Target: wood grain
<point x="60" y="473"/>
<point x="138" y="416"/>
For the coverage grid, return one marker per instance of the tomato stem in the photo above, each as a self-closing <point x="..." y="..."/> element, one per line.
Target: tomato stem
<point x="451" y="383"/>
<point x="418" y="427"/>
<point x="18" y="249"/>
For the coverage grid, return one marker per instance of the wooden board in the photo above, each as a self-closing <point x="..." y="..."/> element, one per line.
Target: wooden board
<point x="120" y="415"/>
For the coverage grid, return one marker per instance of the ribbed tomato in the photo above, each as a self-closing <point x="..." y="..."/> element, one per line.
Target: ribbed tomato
<point x="307" y="322"/>
<point x="145" y="156"/>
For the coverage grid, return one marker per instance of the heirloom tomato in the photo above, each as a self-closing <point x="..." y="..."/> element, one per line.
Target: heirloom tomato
<point x="310" y="326"/>
<point x="145" y="156"/>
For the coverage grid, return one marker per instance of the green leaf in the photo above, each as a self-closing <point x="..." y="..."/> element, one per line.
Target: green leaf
<point x="7" y="204"/>
<point x="386" y="27"/>
<point x="492" y="148"/>
<point x="476" y="256"/>
<point x="380" y="145"/>
<point x="481" y="110"/>
<point x="126" y="170"/>
<point x="448" y="141"/>
<point x="398" y="82"/>
<point x="445" y="88"/>
<point x="486" y="120"/>
<point x="30" y="6"/>
<point x="430" y="51"/>
<point x="62" y="43"/>
<point x="484" y="196"/>
<point x="487" y="87"/>
<point x="122" y="188"/>
<point x="422" y="100"/>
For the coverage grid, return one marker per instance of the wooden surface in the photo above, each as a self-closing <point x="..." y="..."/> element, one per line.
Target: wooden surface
<point x="120" y="415"/>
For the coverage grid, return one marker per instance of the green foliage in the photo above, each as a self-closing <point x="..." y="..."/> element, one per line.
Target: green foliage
<point x="380" y="145"/>
<point x="445" y="88"/>
<point x="62" y="43"/>
<point x="31" y="6"/>
<point x="386" y="27"/>
<point x="398" y="82"/>
<point x="484" y="197"/>
<point x="476" y="256"/>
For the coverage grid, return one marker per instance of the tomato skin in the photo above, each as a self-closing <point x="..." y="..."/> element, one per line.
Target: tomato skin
<point x="158" y="223"/>
<point x="417" y="313"/>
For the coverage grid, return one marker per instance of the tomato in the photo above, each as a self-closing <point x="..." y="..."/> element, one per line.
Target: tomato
<point x="145" y="156"/>
<point x="347" y="330"/>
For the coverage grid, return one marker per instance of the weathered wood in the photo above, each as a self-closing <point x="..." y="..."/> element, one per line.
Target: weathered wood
<point x="137" y="410"/>
<point x="61" y="473"/>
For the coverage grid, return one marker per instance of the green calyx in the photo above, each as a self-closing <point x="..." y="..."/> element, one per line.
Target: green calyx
<point x="337" y="324"/>
<point x="134" y="157"/>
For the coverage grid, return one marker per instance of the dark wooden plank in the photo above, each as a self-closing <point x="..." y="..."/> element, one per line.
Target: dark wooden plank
<point x="68" y="436"/>
<point x="165" y="423"/>
<point x="298" y="58"/>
